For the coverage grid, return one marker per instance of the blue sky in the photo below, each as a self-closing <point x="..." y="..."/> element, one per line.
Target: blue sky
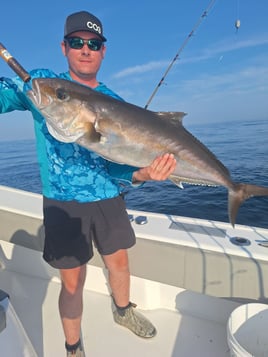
<point x="221" y="75"/>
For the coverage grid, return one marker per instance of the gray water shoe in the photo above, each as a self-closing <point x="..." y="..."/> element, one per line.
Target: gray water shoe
<point x="134" y="321"/>
<point x="77" y="353"/>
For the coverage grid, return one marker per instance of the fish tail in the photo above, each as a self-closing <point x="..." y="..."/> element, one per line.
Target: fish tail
<point x="238" y="194"/>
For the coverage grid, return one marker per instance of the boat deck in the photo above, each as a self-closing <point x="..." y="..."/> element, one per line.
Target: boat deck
<point x="34" y="299"/>
<point x="37" y="309"/>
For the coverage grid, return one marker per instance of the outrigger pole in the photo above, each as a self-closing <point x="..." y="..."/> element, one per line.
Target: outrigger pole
<point x="205" y="13"/>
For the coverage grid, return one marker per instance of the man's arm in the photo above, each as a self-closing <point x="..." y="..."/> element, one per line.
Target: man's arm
<point x="11" y="96"/>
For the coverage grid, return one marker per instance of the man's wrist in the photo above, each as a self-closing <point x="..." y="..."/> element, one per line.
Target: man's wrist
<point x="137" y="177"/>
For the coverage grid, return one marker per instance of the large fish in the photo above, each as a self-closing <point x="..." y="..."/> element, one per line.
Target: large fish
<point x="127" y="134"/>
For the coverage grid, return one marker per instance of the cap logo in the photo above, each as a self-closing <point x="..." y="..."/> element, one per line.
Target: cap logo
<point x="93" y="26"/>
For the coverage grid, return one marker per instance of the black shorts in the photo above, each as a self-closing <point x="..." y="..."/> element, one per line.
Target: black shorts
<point x="71" y="229"/>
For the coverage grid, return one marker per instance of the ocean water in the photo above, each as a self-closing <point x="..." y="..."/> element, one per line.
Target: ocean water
<point x="241" y="146"/>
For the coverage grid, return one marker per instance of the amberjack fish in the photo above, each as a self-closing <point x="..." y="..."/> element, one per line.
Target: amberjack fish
<point x="127" y="134"/>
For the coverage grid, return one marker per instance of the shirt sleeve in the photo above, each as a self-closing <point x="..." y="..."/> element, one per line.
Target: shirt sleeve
<point x="123" y="174"/>
<point x="13" y="91"/>
<point x="12" y="96"/>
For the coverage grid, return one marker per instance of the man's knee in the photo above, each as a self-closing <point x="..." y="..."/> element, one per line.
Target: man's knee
<point x="73" y="279"/>
<point x="117" y="262"/>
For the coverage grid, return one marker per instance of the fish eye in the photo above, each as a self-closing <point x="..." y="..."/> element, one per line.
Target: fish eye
<point x="61" y="94"/>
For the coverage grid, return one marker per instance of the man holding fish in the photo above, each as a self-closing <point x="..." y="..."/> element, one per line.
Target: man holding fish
<point x="81" y="191"/>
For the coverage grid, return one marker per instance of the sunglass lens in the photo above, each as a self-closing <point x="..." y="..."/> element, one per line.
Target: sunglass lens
<point x="94" y="45"/>
<point x="76" y="43"/>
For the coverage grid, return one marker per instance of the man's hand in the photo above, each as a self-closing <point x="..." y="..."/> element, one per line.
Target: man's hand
<point x="160" y="169"/>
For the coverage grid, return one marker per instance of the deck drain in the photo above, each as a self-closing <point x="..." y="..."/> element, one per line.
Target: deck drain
<point x="131" y="217"/>
<point x="141" y="220"/>
<point x="240" y="241"/>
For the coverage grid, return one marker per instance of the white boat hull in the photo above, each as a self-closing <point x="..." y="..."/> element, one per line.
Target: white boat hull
<point x="187" y="277"/>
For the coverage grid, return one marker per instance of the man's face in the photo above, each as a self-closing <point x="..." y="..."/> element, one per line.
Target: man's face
<point x="83" y="63"/>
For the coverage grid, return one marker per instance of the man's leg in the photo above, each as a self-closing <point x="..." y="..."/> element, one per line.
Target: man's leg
<point x="119" y="280"/>
<point x="71" y="302"/>
<point x="119" y="276"/>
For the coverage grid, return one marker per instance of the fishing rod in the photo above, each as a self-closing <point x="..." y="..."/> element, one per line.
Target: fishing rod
<point x="14" y="64"/>
<point x="198" y="23"/>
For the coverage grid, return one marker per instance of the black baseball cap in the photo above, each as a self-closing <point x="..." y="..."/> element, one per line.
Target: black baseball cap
<point x="83" y="21"/>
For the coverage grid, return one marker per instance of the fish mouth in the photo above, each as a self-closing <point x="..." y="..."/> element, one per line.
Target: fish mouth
<point x="40" y="99"/>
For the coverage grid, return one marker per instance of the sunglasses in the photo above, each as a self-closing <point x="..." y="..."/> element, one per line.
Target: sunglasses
<point x="77" y="43"/>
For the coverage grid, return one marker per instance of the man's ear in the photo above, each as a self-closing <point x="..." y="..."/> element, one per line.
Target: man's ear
<point x="63" y="48"/>
<point x="103" y="51"/>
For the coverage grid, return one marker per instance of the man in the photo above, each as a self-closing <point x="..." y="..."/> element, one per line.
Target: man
<point x="81" y="191"/>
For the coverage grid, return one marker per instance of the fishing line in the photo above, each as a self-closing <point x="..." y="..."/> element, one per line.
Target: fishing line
<point x="237" y="22"/>
<point x="198" y="23"/>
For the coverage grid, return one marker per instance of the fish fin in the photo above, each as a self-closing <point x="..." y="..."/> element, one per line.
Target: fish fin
<point x="173" y="117"/>
<point x="91" y="133"/>
<point x="177" y="181"/>
<point x="239" y="194"/>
